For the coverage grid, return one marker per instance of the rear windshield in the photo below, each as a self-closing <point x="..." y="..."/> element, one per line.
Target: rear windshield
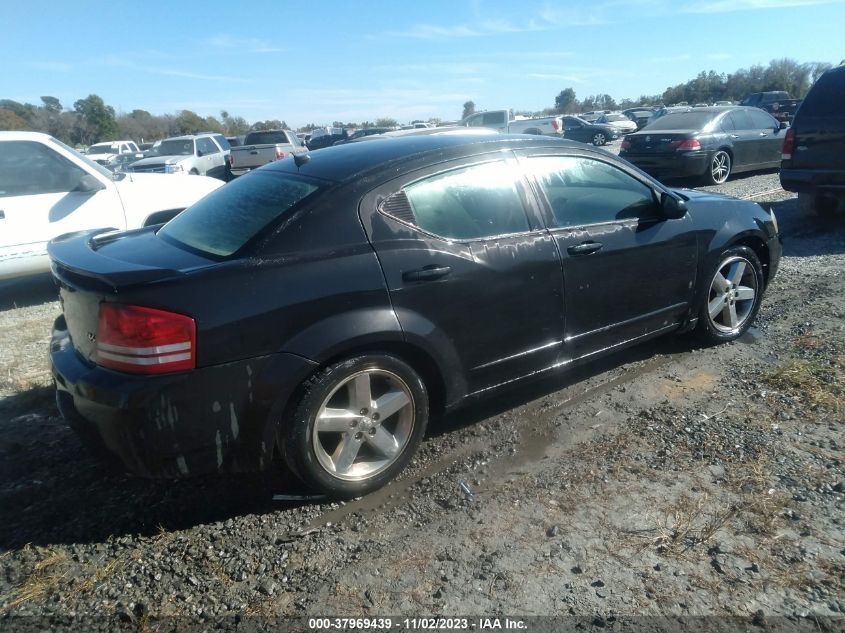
<point x="260" y="138"/>
<point x="224" y="221"/>
<point x="683" y="121"/>
<point x="826" y="97"/>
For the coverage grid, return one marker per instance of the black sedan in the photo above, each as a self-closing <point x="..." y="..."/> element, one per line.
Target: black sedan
<point x="577" y="129"/>
<point x="709" y="143"/>
<point x="321" y="310"/>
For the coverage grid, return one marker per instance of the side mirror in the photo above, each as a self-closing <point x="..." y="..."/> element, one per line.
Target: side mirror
<point x="783" y="125"/>
<point x="200" y="153"/>
<point x="89" y="184"/>
<point x="673" y="208"/>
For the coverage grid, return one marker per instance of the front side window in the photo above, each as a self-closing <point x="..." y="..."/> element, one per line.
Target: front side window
<point x="740" y="120"/>
<point x="471" y="203"/>
<point x="225" y="220"/>
<point x="585" y="191"/>
<point x="28" y="168"/>
<point x="206" y="146"/>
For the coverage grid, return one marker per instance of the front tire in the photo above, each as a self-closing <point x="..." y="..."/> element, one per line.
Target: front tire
<point x="194" y="172"/>
<point x="733" y="297"/>
<point x="718" y="169"/>
<point x="357" y="424"/>
<point x="599" y="139"/>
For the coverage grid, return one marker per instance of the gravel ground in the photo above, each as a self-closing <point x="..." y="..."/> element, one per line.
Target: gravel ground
<point x="667" y="480"/>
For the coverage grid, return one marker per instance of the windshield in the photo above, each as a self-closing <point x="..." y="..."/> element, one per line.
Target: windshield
<point x="102" y="148"/>
<point x="90" y="163"/>
<point x="683" y="121"/>
<point x="223" y="222"/>
<point x="174" y="147"/>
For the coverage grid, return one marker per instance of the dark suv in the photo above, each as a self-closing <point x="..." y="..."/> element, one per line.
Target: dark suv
<point x="813" y="160"/>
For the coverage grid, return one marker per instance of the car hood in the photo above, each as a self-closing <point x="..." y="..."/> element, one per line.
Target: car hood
<point x="161" y="160"/>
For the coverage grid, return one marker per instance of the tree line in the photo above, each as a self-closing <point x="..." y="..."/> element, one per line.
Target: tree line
<point x="708" y="87"/>
<point x="92" y="121"/>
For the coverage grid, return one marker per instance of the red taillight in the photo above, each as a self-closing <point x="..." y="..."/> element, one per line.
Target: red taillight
<point x="690" y="143"/>
<point x="555" y="125"/>
<point x="145" y="340"/>
<point x="279" y="154"/>
<point x="626" y="144"/>
<point x="788" y="145"/>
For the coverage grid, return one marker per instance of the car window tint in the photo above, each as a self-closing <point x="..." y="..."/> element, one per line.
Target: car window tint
<point x="225" y="220"/>
<point x="741" y="120"/>
<point x="222" y="142"/>
<point x="826" y="96"/>
<point x="477" y="202"/>
<point x="762" y="120"/>
<point x="727" y="123"/>
<point x="493" y="118"/>
<point x="683" y="121"/>
<point x="207" y="146"/>
<point x="587" y="191"/>
<point x="28" y="168"/>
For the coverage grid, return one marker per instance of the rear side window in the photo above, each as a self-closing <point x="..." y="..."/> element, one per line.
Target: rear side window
<point x="826" y="97"/>
<point x="473" y="203"/>
<point x="225" y="220"/>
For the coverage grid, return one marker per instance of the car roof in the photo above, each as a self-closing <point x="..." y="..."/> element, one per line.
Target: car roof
<point x="23" y="136"/>
<point x="341" y="163"/>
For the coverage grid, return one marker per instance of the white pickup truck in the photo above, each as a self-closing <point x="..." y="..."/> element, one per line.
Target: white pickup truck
<point x="502" y="121"/>
<point x="48" y="189"/>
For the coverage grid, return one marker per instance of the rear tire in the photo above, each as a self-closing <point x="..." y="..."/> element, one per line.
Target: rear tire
<point x="194" y="172"/>
<point x="735" y="291"/>
<point x="718" y="168"/>
<point x="357" y="424"/>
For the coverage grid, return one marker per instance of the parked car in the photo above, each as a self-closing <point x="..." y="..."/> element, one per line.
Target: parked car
<point x="120" y="162"/>
<point x="103" y="153"/>
<point x="261" y="147"/>
<point x="47" y="188"/>
<point x="367" y="131"/>
<point x="640" y="116"/>
<point x="813" y="155"/>
<point x="577" y="129"/>
<point x="776" y="102"/>
<point x="321" y="311"/>
<point x="619" y="121"/>
<point x="723" y="103"/>
<point x="502" y="121"/>
<point x="326" y="137"/>
<point x="661" y="112"/>
<point x="194" y="155"/>
<point x="710" y="143"/>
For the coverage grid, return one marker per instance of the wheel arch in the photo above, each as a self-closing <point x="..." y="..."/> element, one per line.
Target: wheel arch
<point x="760" y="248"/>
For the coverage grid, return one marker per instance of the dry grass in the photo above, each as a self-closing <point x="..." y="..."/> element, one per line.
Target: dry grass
<point x="41" y="582"/>
<point x="101" y="573"/>
<point x="814" y="384"/>
<point x="24" y="339"/>
<point x="690" y="522"/>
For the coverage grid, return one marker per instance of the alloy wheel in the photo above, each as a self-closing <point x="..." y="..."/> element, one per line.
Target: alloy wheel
<point x="732" y="294"/>
<point x="364" y="424"/>
<point x="720" y="167"/>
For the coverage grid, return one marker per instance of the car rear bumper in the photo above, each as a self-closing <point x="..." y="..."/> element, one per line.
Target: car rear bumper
<point x="207" y="420"/>
<point x="815" y="181"/>
<point x="675" y="165"/>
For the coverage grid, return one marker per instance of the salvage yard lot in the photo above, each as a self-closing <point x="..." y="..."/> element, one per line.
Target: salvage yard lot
<point x="668" y="479"/>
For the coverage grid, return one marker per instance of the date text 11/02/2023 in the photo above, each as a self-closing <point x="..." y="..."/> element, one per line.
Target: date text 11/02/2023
<point x="416" y="624"/>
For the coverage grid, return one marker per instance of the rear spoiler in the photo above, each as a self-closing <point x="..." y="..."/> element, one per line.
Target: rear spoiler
<point x="74" y="257"/>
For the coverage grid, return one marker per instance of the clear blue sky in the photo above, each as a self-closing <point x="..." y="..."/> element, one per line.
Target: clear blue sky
<point x="317" y="61"/>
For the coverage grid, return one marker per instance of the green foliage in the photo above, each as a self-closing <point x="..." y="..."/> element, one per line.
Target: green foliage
<point x="386" y="122"/>
<point x="270" y="124"/>
<point x="188" y="122"/>
<point x="95" y="122"/>
<point x="565" y="101"/>
<point x="469" y="108"/>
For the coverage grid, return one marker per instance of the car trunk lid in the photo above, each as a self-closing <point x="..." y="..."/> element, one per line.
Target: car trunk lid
<point x="97" y="266"/>
<point x="662" y="142"/>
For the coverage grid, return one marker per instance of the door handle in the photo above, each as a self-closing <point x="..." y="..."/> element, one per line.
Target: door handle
<point x="585" y="249"/>
<point x="429" y="273"/>
<point x="763" y="134"/>
<point x="734" y="135"/>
